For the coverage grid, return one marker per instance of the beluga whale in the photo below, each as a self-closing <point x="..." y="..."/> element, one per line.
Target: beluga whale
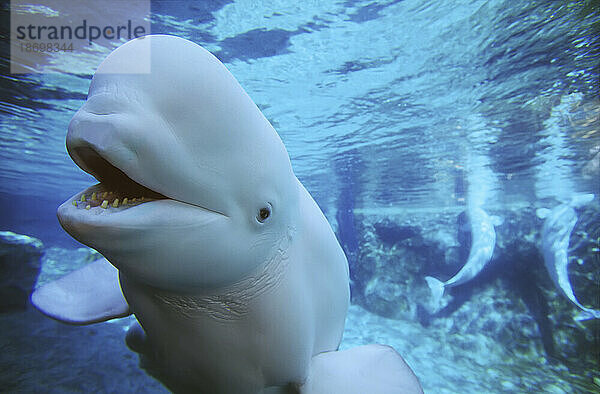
<point x="231" y="269"/>
<point x="483" y="242"/>
<point x="559" y="223"/>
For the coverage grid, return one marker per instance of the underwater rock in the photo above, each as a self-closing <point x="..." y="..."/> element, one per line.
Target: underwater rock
<point x="392" y="261"/>
<point x="513" y="301"/>
<point x="390" y="233"/>
<point x="19" y="268"/>
<point x="386" y="297"/>
<point x="496" y="313"/>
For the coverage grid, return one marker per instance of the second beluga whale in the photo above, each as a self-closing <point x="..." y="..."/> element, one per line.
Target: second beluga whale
<point x="559" y="223"/>
<point x="232" y="270"/>
<point x="483" y="241"/>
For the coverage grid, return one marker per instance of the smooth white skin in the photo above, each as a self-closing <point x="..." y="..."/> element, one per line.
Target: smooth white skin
<point x="273" y="343"/>
<point x="482" y="247"/>
<point x="341" y="372"/>
<point x="188" y="131"/>
<point x="556" y="235"/>
<point x="228" y="304"/>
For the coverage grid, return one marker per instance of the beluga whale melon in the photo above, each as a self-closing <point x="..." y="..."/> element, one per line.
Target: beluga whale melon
<point x="231" y="269"/>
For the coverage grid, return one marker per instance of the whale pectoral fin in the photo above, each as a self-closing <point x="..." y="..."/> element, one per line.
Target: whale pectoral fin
<point x="89" y="295"/>
<point x="374" y="369"/>
<point x="136" y="339"/>
<point x="437" y="291"/>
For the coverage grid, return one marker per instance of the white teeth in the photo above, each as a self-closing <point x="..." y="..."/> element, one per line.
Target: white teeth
<point x="105" y="197"/>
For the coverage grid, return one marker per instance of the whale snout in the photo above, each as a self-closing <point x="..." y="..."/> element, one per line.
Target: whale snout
<point x="103" y="143"/>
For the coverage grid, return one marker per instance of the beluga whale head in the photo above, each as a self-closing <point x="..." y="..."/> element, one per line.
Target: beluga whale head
<point x="183" y="157"/>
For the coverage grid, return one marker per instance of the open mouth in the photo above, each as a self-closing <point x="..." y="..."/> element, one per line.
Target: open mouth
<point x="115" y="190"/>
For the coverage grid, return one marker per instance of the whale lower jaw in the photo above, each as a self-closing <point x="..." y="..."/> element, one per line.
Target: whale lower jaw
<point x="91" y="214"/>
<point x="141" y="240"/>
<point x="137" y="229"/>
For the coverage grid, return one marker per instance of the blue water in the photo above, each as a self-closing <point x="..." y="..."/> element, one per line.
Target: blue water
<point x="398" y="110"/>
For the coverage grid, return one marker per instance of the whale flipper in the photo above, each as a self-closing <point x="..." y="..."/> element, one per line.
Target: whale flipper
<point x="587" y="314"/>
<point x="437" y="288"/>
<point x="374" y="369"/>
<point x="136" y="339"/>
<point x="88" y="295"/>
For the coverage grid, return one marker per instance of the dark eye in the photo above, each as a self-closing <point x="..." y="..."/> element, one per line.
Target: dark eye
<point x="263" y="214"/>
